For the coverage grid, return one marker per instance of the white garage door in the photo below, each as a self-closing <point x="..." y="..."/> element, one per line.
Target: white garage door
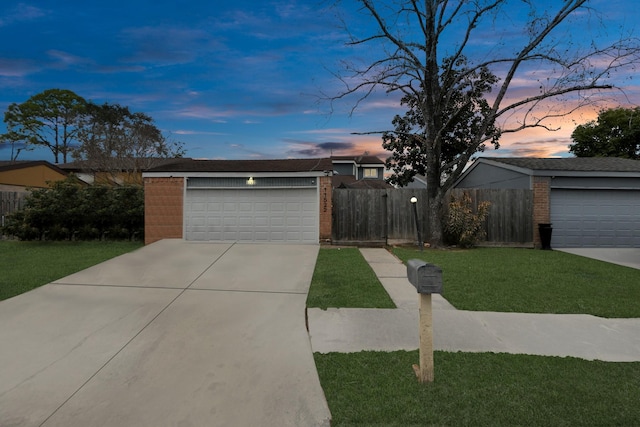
<point x="252" y="215"/>
<point x="595" y="218"/>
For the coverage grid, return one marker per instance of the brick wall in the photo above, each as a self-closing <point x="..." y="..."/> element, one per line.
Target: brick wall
<point x="163" y="208"/>
<point x="541" y="205"/>
<point x="325" y="209"/>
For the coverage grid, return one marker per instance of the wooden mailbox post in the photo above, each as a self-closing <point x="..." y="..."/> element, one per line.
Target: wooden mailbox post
<point x="427" y="279"/>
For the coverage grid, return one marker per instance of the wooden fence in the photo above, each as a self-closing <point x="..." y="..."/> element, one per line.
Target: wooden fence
<point x="10" y="201"/>
<point x="378" y="217"/>
<point x="510" y="218"/>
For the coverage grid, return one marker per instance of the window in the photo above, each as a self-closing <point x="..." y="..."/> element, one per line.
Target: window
<point x="370" y="173"/>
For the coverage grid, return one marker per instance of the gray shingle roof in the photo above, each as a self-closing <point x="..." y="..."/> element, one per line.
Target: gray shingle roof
<point x="278" y="165"/>
<point x="577" y="164"/>
<point x="363" y="159"/>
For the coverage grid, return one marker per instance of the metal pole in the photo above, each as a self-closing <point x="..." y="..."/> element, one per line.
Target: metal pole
<point x="414" y="202"/>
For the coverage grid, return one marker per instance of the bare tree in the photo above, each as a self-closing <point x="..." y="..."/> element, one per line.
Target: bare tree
<point x="458" y="95"/>
<point x="119" y="144"/>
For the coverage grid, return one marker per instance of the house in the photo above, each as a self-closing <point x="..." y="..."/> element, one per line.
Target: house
<point x="116" y="171"/>
<point x="590" y="201"/>
<point x="358" y="172"/>
<point x="286" y="201"/>
<point x="20" y="175"/>
<point x="418" y="182"/>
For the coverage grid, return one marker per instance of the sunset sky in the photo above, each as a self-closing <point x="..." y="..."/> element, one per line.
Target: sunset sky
<point x="244" y="79"/>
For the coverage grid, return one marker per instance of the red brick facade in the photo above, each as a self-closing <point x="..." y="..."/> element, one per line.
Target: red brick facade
<point x="541" y="205"/>
<point x="326" y="209"/>
<point x="163" y="208"/>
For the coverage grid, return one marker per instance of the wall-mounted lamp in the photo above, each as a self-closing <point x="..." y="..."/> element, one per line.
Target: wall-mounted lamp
<point x="251" y="181"/>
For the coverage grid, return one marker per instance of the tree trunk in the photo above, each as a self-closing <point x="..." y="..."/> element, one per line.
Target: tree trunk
<point x="434" y="215"/>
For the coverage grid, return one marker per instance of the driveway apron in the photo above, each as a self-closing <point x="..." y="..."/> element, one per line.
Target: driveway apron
<point x="173" y="334"/>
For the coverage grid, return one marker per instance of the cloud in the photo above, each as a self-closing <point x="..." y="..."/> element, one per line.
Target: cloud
<point x="16" y="67"/>
<point x="197" y="132"/>
<point x="64" y="60"/>
<point x="166" y="45"/>
<point x="21" y="13"/>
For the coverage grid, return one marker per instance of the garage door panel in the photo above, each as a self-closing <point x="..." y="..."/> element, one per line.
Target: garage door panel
<point x="595" y="218"/>
<point x="274" y="215"/>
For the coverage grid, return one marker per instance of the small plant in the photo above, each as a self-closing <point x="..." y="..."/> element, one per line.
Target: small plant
<point x="464" y="226"/>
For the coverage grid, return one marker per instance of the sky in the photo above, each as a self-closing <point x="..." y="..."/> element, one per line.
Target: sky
<point x="245" y="79"/>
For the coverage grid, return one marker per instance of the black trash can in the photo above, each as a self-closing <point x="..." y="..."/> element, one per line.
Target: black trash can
<point x="545" y="231"/>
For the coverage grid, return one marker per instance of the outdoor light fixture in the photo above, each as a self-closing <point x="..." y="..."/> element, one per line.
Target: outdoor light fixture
<point x="414" y="200"/>
<point x="251" y="181"/>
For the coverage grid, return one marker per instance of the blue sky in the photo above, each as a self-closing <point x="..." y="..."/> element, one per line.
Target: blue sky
<point x="232" y="80"/>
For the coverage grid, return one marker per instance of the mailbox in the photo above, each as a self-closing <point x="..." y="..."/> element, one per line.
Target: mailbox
<point x="427" y="278"/>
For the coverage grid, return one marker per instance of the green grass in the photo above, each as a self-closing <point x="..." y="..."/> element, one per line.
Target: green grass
<point x="28" y="265"/>
<point x="342" y="278"/>
<point x="533" y="281"/>
<point x="479" y="389"/>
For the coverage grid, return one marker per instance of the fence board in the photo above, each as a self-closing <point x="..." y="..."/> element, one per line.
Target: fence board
<point x="10" y="201"/>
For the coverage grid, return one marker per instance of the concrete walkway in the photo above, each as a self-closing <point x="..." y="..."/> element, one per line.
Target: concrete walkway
<point x="173" y="334"/>
<point x="353" y="330"/>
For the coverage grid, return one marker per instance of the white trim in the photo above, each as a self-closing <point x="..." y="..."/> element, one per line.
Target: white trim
<point x="234" y="174"/>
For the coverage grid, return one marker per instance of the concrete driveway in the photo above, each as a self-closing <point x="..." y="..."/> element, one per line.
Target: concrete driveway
<point x="173" y="334"/>
<point x="628" y="257"/>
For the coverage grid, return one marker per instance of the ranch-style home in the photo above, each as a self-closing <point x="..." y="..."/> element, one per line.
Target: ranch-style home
<point x="589" y="201"/>
<point x="20" y="175"/>
<point x="285" y="201"/>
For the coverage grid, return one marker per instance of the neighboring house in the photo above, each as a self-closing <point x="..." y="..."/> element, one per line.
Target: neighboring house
<point x="418" y="181"/>
<point x="122" y="171"/>
<point x="358" y="172"/>
<point x="590" y="201"/>
<point x="20" y="175"/>
<point x="286" y="201"/>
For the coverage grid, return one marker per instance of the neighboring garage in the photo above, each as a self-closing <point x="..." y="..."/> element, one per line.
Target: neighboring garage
<point x="283" y="201"/>
<point x="595" y="218"/>
<point x="590" y="202"/>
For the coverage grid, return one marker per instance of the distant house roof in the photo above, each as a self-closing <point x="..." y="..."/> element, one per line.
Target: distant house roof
<point x="6" y="165"/>
<point x="577" y="164"/>
<point x="122" y="164"/>
<point x="376" y="184"/>
<point x="342" y="181"/>
<point x="363" y="159"/>
<point x="577" y="167"/>
<point x="278" y="165"/>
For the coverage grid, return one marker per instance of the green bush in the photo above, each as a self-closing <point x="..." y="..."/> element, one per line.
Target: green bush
<point x="70" y="210"/>
<point x="464" y="226"/>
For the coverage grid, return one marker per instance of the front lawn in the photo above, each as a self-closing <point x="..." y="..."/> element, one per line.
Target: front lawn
<point x="343" y="278"/>
<point x="27" y="265"/>
<point x="478" y="389"/>
<point x="533" y="281"/>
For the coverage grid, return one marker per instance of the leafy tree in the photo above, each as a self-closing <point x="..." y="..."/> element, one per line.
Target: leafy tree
<point x="460" y="100"/>
<point x="115" y="140"/>
<point x="49" y="119"/>
<point x="616" y="133"/>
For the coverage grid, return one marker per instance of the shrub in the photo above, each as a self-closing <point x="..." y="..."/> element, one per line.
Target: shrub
<point x="464" y="226"/>
<point x="69" y="210"/>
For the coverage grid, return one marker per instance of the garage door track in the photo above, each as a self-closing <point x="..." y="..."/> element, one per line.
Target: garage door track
<point x="173" y="334"/>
